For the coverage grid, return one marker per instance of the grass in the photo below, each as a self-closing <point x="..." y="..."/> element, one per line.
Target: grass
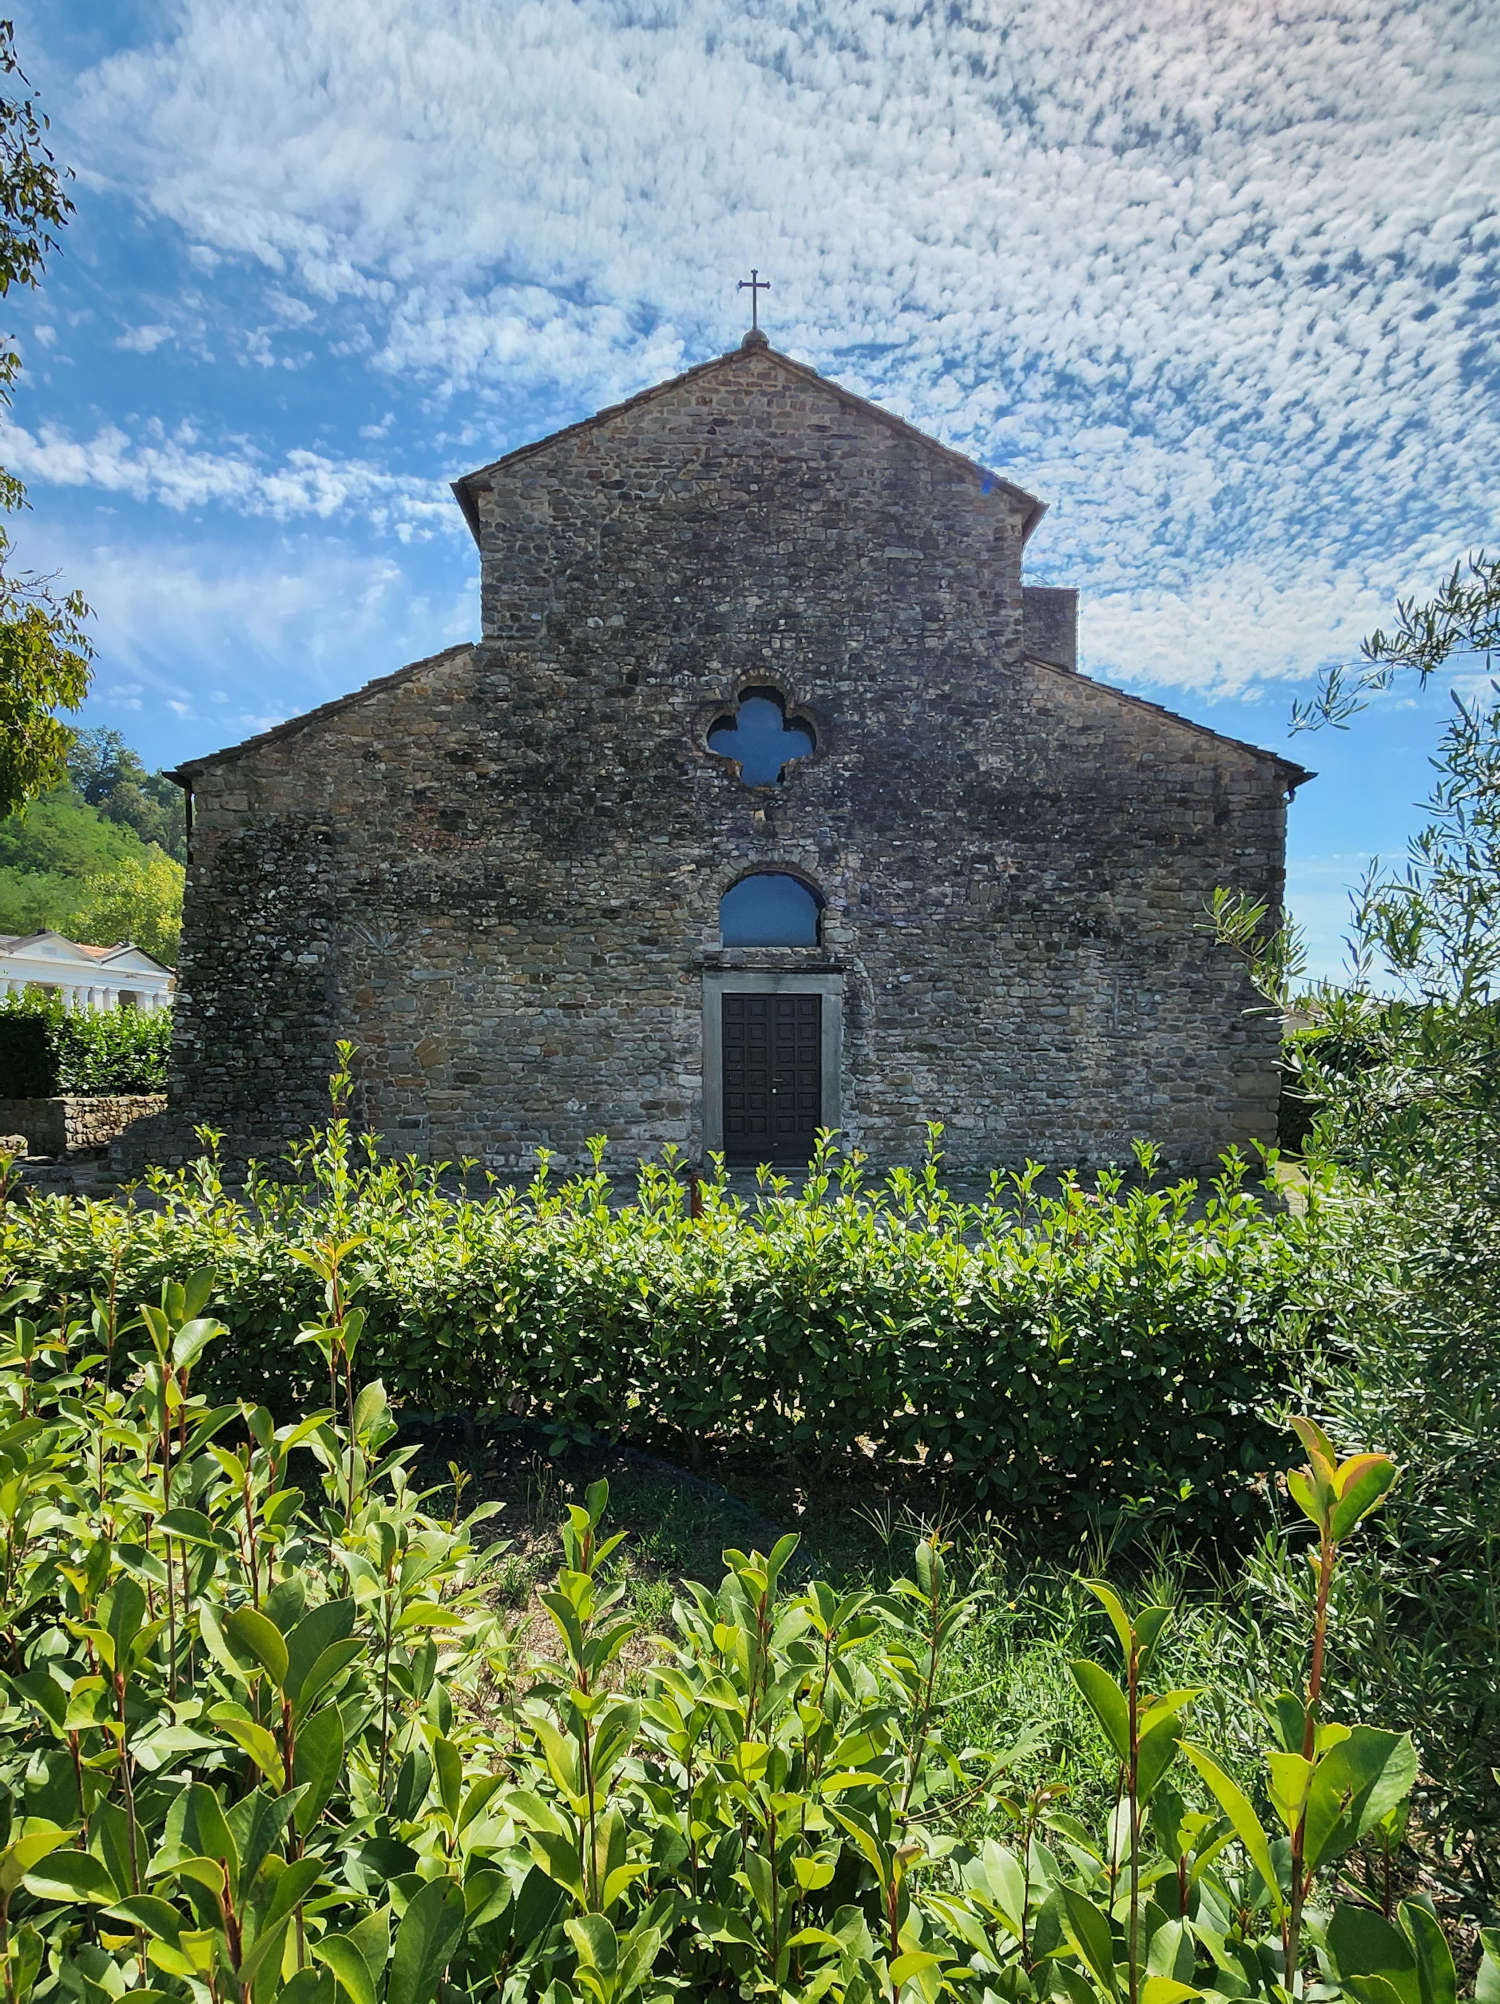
<point x="1008" y="1685"/>
<point x="1241" y="1616"/>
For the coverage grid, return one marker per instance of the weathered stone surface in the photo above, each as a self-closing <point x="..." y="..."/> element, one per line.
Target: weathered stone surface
<point x="499" y="871"/>
<point x="1049" y="625"/>
<point x="56" y="1126"/>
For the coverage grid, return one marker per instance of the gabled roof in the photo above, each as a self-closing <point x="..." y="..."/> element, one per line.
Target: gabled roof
<point x="1295" y="775"/>
<point x="187" y="772"/>
<point x="754" y="344"/>
<point x="21" y="944"/>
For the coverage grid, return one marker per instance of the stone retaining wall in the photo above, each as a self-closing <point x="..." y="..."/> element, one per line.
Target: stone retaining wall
<point x="57" y="1126"/>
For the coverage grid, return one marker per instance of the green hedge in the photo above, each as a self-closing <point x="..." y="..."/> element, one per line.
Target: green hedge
<point x="46" y="1049"/>
<point x="1084" y="1347"/>
<point x="265" y="1734"/>
<point x="27" y="1070"/>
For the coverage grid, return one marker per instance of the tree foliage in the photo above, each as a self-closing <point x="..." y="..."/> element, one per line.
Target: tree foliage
<point x="44" y="651"/>
<point x="109" y="774"/>
<point x="44" y="667"/>
<point x="1400" y="1069"/>
<point x="1463" y="617"/>
<point x="140" y="901"/>
<point x="1422" y="999"/>
<point x="32" y="200"/>
<point x="99" y="858"/>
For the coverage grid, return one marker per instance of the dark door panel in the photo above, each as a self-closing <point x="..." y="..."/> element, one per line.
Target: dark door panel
<point x="773" y="1077"/>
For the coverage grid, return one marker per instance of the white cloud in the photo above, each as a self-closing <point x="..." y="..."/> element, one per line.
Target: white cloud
<point x="309" y="608"/>
<point x="1234" y="628"/>
<point x="206" y="641"/>
<point x="144" y="340"/>
<point x="174" y="471"/>
<point x="1211" y="278"/>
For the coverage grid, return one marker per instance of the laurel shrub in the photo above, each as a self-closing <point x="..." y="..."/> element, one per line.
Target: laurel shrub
<point x="1069" y="1349"/>
<point x="46" y="1049"/>
<point x="264" y="1735"/>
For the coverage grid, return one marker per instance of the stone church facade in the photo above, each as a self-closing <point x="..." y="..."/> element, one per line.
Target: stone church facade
<point x="560" y="881"/>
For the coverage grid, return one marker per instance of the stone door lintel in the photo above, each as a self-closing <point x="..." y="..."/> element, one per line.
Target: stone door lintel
<point x="744" y="981"/>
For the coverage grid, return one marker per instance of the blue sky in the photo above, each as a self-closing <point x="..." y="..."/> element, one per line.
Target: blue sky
<point x="1218" y="281"/>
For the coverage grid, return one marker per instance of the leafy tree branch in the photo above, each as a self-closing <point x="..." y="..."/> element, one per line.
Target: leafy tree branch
<point x="1462" y="618"/>
<point x="44" y="651"/>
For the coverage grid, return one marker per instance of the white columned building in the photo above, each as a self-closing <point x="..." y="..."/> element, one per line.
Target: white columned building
<point x="83" y="977"/>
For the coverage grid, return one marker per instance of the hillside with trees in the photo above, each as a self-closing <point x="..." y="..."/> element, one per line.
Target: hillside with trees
<point x="100" y="857"/>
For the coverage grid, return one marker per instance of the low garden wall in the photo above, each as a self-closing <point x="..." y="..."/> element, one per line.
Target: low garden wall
<point x="57" y="1126"/>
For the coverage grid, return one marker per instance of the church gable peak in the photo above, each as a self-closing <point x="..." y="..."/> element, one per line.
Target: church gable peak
<point x="754" y="351"/>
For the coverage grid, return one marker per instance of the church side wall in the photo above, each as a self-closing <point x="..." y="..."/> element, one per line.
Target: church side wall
<point x="501" y="878"/>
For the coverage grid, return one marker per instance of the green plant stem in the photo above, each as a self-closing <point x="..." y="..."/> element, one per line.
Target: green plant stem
<point x="893" y="1926"/>
<point x="923" y="1714"/>
<point x="77" y="1754"/>
<point x="353" y="1439"/>
<point x="128" y="1786"/>
<point x="251" y="1542"/>
<point x="385" y="1671"/>
<point x="1327" y="1554"/>
<point x="591" y="1858"/>
<point x="1133" y="1678"/>
<point x="166" y="1504"/>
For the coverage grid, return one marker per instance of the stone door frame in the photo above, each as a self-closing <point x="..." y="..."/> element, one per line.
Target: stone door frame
<point x="744" y="981"/>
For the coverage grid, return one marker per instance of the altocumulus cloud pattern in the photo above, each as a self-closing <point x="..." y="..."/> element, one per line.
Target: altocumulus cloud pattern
<point x="1212" y="277"/>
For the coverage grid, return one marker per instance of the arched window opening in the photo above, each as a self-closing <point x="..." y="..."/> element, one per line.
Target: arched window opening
<point x="758" y="734"/>
<point x="770" y="908"/>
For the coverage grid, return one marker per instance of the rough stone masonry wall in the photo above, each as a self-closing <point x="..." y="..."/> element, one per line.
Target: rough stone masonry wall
<point x="500" y="873"/>
<point x="59" y="1125"/>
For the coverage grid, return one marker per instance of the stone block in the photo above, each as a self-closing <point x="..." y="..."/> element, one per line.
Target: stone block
<point x="60" y="1125"/>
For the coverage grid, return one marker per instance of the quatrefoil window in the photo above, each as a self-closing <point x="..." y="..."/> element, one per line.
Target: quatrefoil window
<point x="758" y="733"/>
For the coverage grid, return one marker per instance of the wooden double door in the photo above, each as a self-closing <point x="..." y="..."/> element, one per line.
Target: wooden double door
<point x="773" y="1077"/>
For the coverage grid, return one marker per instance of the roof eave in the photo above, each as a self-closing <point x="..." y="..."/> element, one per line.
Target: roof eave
<point x="1033" y="516"/>
<point x="129" y="946"/>
<point x="464" y="495"/>
<point x="185" y="774"/>
<point x="1294" y="775"/>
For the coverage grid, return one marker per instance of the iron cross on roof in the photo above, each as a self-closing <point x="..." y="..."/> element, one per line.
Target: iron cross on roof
<point x="756" y="285"/>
